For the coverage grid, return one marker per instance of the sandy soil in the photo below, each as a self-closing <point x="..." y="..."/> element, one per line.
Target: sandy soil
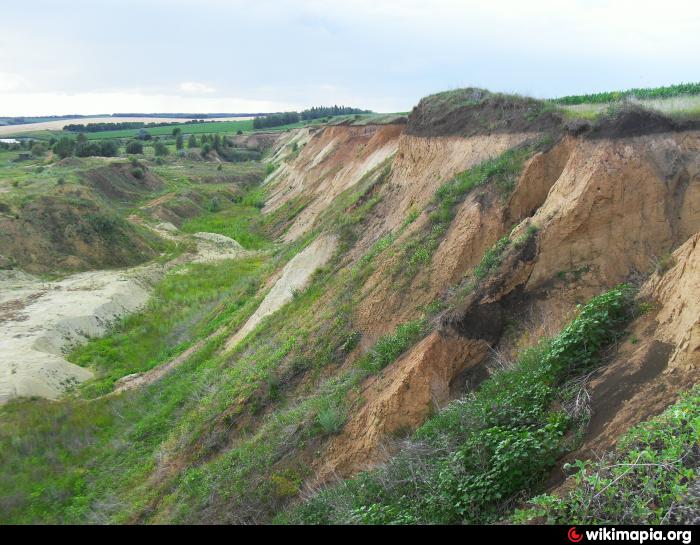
<point x="295" y="276"/>
<point x="58" y="125"/>
<point x="40" y="320"/>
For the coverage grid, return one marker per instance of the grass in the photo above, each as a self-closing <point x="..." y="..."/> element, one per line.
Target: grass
<point x="389" y="347"/>
<point x="647" y="479"/>
<point x="217" y="127"/>
<point x="236" y="221"/>
<point x="500" y="172"/>
<point x="185" y="306"/>
<point x="469" y="461"/>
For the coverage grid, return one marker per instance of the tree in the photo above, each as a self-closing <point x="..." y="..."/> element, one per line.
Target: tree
<point x="64" y="147"/>
<point x="134" y="147"/>
<point x="109" y="148"/>
<point x="177" y="131"/>
<point x="206" y="148"/>
<point x="88" y="149"/>
<point x="81" y="138"/>
<point x="144" y="135"/>
<point x="179" y="141"/>
<point x="38" y="149"/>
<point x="160" y="149"/>
<point x="192" y="142"/>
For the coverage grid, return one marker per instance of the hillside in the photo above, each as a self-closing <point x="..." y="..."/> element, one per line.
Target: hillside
<point x="458" y="316"/>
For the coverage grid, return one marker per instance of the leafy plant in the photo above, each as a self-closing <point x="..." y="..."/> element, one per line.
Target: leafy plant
<point x="469" y="461"/>
<point x="645" y="480"/>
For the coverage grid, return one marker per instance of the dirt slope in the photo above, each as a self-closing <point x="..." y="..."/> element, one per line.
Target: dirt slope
<point x="294" y="277"/>
<point x="606" y="210"/>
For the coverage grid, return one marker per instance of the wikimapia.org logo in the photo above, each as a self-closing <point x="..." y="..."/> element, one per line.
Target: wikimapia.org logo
<point x="638" y="536"/>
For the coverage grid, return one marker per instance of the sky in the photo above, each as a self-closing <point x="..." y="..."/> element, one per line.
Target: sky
<point x="245" y="56"/>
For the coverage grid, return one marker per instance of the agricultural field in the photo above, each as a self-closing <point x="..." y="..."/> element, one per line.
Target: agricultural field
<point x="677" y="101"/>
<point x="217" y="126"/>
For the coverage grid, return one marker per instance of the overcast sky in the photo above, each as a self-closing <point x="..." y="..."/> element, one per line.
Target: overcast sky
<point x="84" y="56"/>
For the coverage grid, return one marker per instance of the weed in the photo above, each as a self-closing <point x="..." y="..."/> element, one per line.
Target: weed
<point x="467" y="463"/>
<point x="644" y="481"/>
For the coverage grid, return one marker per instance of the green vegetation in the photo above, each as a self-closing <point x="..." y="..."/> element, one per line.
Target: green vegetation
<point x="468" y="462"/>
<point x="64" y="147"/>
<point x="230" y="435"/>
<point x="317" y="112"/>
<point x="134" y="147"/>
<point x="641" y="93"/>
<point x="500" y="172"/>
<point x="646" y="480"/>
<point x="390" y="347"/>
<point x="102" y="127"/>
<point x="184" y="307"/>
<point x="234" y="221"/>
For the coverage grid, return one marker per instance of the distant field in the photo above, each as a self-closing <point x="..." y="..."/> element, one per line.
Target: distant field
<point x="58" y="124"/>
<point x="678" y="106"/>
<point x="222" y="125"/>
<point x="646" y="93"/>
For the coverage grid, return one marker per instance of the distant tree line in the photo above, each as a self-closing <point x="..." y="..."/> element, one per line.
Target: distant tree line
<point x="326" y="111"/>
<point x="287" y="118"/>
<point x="82" y="147"/>
<point x="185" y="115"/>
<point x="22" y="120"/>
<point x="276" y="120"/>
<point x="101" y="127"/>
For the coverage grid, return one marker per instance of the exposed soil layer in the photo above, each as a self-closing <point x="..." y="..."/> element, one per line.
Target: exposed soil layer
<point x="605" y="210"/>
<point x="636" y="121"/>
<point x="294" y="277"/>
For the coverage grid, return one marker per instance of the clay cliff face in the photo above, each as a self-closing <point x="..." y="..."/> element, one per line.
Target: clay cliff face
<point x="606" y="210"/>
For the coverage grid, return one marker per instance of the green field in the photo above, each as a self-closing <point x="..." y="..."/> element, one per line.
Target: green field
<point x="682" y="89"/>
<point x="220" y="127"/>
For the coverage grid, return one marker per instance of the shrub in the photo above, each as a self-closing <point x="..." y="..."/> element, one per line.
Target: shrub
<point x="645" y="480"/>
<point x="87" y="149"/>
<point x="390" y="347"/>
<point x="134" y="147"/>
<point x="160" y="149"/>
<point x="64" y="147"/>
<point x="39" y="149"/>
<point x="331" y="419"/>
<point x="468" y="463"/>
<point x="109" y="148"/>
<point x="664" y="263"/>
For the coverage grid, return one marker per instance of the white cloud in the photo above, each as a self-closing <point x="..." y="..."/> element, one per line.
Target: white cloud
<point x="379" y="54"/>
<point x="194" y="87"/>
